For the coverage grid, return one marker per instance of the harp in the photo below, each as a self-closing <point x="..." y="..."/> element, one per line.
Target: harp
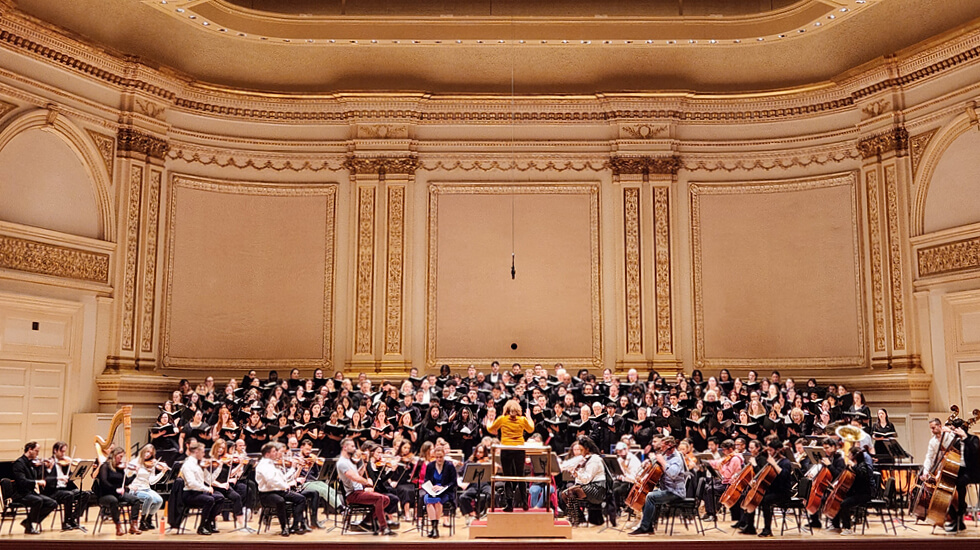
<point x="124" y="417"/>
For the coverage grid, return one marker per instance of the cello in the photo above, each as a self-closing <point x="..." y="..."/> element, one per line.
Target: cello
<point x="734" y="491"/>
<point x="820" y="479"/>
<point x="842" y="485"/>
<point x="647" y="481"/>
<point x="757" y="489"/>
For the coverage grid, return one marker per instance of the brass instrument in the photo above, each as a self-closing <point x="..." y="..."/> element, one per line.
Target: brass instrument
<point x="123" y="416"/>
<point x="849" y="435"/>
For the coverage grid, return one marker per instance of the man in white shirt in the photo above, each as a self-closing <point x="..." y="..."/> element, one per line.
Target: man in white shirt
<point x="940" y="441"/>
<point x="198" y="493"/>
<point x="274" y="490"/>
<point x="631" y="466"/>
<point x="358" y="488"/>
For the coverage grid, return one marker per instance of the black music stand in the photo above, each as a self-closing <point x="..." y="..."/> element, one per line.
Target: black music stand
<point x="539" y="465"/>
<point x="711" y="475"/>
<point x="77" y="476"/>
<point x="475" y="473"/>
<point x="611" y="462"/>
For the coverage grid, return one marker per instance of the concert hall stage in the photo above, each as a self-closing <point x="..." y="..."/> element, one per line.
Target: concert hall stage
<point x="919" y="539"/>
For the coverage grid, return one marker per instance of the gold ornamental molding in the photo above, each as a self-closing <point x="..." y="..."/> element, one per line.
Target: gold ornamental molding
<point x="382" y="165"/>
<point x="767" y="162"/>
<point x="877" y="263"/>
<point x="131" y="140"/>
<point x="917" y="146"/>
<point x="661" y="257"/>
<point x="538" y="165"/>
<point x="267" y="189"/>
<point x="634" y="301"/>
<point x="364" y="292"/>
<point x="106" y="146"/>
<point x="895" y="257"/>
<point x="132" y="246"/>
<point x="893" y="140"/>
<point x="773" y="186"/>
<point x="49" y="259"/>
<point x="436" y="191"/>
<point x="954" y="257"/>
<point x="645" y="165"/>
<point x="6" y="107"/>
<point x="150" y="260"/>
<point x="394" y="284"/>
<point x="277" y="163"/>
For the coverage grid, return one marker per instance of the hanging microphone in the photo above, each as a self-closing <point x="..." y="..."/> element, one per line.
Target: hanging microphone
<point x="513" y="272"/>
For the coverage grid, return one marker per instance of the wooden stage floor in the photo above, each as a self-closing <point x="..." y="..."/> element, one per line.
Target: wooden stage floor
<point x="920" y="537"/>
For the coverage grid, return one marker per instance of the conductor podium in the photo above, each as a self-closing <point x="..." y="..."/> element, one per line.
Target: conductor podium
<point x="531" y="523"/>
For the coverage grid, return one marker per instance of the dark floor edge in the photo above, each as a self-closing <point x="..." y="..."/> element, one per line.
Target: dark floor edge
<point x="938" y="542"/>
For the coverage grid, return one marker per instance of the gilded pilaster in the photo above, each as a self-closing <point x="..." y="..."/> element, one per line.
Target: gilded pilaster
<point x="888" y="178"/>
<point x="381" y="204"/>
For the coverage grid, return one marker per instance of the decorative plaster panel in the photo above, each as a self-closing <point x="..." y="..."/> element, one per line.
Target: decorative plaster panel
<point x="48" y="259"/>
<point x="634" y="301"/>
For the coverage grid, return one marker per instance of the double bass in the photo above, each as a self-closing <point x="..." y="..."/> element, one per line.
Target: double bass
<point x="943" y="482"/>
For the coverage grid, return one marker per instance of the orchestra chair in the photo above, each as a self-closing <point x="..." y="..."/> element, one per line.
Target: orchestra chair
<point x="266" y="514"/>
<point x="687" y="508"/>
<point x="105" y="511"/>
<point x="352" y="510"/>
<point x="11" y="507"/>
<point x="881" y="503"/>
<point x="796" y="507"/>
<point x="179" y="510"/>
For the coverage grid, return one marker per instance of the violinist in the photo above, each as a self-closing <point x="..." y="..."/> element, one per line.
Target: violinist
<point x="729" y="465"/>
<point x="379" y="469"/>
<point x="112" y="492"/>
<point x="673" y="485"/>
<point x="225" y="473"/>
<point x="358" y="488"/>
<point x="860" y="493"/>
<point x="198" y="490"/>
<point x="779" y="491"/>
<point x="404" y="486"/>
<point x="590" y="482"/>
<point x="27" y="483"/>
<point x="834" y="461"/>
<point x="59" y="487"/>
<point x="149" y="471"/>
<point x="310" y="483"/>
<point x="274" y="489"/>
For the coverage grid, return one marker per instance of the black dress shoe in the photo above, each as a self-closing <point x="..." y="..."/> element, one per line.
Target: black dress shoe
<point x="284" y="532"/>
<point x="388" y="532"/>
<point x="508" y="508"/>
<point x="748" y="531"/>
<point x="640" y="531"/>
<point x="766" y="533"/>
<point x="737" y="525"/>
<point x="202" y="530"/>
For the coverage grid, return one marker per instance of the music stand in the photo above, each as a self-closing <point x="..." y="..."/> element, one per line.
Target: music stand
<point x="611" y="462"/>
<point x="81" y="471"/>
<point x="475" y="473"/>
<point x="328" y="475"/>
<point x="815" y="454"/>
<point x="710" y="492"/>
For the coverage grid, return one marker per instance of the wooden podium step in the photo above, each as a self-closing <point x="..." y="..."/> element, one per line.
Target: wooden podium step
<point x="534" y="523"/>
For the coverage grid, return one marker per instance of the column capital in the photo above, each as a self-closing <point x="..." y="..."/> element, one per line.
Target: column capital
<point x="663" y="165"/>
<point x="895" y="139"/>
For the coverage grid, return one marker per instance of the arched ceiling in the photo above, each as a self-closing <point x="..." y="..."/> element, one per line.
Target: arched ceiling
<point x="525" y="47"/>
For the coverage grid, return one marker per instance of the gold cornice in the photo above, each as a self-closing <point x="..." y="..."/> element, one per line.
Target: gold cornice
<point x="135" y="141"/>
<point x="49" y="259"/>
<point x="645" y="165"/>
<point x="382" y="165"/>
<point x="896" y="139"/>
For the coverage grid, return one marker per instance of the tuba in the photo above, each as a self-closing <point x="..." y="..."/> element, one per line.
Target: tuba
<point x="850" y="435"/>
<point x="123" y="416"/>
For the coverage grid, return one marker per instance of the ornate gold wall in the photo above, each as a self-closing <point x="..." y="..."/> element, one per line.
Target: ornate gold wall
<point x="801" y="230"/>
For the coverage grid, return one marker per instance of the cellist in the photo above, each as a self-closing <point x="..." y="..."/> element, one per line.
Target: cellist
<point x="861" y="489"/>
<point x="834" y="461"/>
<point x="756" y="459"/>
<point x="779" y="491"/>
<point x="673" y="486"/>
<point x="728" y="466"/>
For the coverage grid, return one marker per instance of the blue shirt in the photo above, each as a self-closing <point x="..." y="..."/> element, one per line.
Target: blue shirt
<point x="674" y="479"/>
